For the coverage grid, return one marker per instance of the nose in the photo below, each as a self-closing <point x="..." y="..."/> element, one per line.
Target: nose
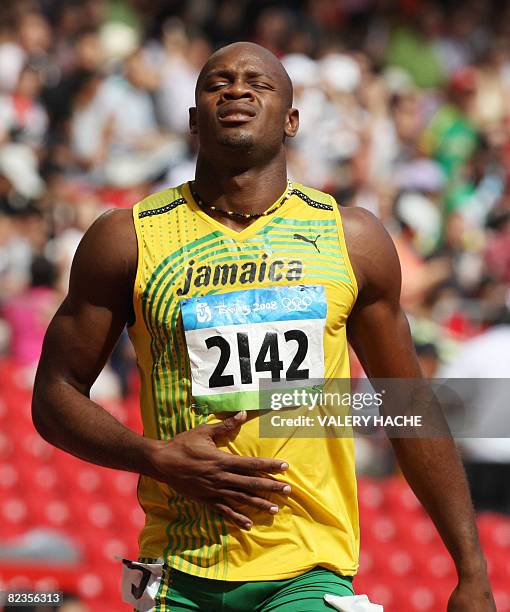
<point x="237" y="90"/>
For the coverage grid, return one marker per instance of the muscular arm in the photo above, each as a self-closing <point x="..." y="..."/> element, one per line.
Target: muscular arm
<point x="78" y="342"/>
<point x="379" y="333"/>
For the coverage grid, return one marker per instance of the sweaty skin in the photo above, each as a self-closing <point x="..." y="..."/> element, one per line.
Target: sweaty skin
<point x="242" y="119"/>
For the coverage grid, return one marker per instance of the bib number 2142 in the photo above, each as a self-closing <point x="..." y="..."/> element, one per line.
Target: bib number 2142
<point x="267" y="360"/>
<point x="235" y="340"/>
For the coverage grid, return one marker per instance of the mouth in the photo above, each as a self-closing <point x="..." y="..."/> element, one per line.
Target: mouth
<point x="236" y="113"/>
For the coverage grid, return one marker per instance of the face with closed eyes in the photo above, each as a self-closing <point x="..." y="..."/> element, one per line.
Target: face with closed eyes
<point x="243" y="103"/>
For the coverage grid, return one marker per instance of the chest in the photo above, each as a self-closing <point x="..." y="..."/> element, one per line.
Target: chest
<point x="287" y="255"/>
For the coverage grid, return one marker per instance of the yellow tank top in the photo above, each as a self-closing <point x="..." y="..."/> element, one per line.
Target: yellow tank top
<point x="194" y="277"/>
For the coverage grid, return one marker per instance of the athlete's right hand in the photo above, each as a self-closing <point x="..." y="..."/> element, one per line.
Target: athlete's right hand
<point x="193" y="466"/>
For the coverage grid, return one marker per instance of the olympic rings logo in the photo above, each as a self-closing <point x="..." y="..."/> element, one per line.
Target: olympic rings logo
<point x="297" y="303"/>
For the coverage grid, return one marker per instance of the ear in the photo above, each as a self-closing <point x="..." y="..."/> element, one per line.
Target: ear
<point x="291" y="122"/>
<point x="193" y="128"/>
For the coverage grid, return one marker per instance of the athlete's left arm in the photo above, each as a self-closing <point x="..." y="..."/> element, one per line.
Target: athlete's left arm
<point x="379" y="333"/>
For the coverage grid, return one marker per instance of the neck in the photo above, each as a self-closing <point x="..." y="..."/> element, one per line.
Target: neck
<point x="246" y="190"/>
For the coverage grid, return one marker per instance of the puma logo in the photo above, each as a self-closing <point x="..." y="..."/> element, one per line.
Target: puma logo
<point x="305" y="239"/>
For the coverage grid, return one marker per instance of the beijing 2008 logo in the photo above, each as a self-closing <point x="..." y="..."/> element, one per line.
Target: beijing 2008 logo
<point x="203" y="312"/>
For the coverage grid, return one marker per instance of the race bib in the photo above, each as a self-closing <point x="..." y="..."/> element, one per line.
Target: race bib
<point x="236" y="339"/>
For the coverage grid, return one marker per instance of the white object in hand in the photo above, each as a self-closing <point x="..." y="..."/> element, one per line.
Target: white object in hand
<point x="353" y="603"/>
<point x="140" y="583"/>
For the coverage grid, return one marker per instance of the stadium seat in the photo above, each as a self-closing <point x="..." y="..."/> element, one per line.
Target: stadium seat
<point x="502" y="597"/>
<point x="370" y="494"/>
<point x="9" y="477"/>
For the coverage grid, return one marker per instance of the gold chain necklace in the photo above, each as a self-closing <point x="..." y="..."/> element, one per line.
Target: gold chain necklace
<point x="234" y="213"/>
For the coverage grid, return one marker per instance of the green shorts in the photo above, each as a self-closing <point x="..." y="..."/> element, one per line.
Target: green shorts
<point x="304" y="593"/>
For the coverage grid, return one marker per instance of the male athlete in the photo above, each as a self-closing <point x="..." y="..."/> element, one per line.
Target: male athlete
<point x="236" y="276"/>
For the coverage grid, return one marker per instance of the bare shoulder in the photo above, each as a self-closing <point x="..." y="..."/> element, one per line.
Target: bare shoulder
<point x="114" y="230"/>
<point x="112" y="236"/>
<point x="371" y="250"/>
<point x="362" y="229"/>
<point x="107" y="252"/>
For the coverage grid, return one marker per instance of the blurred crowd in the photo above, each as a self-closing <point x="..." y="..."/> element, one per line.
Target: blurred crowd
<point x="404" y="110"/>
